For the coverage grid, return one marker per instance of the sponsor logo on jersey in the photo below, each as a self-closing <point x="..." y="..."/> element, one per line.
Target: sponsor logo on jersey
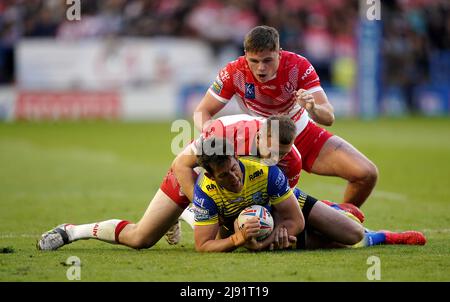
<point x="95" y="230"/>
<point x="271" y="87"/>
<point x="219" y="81"/>
<point x="199" y="200"/>
<point x="280" y="182"/>
<point x="211" y="187"/>
<point x="250" y="91"/>
<point x="198" y="210"/>
<point x="216" y="87"/>
<point x="307" y="72"/>
<point x="200" y="214"/>
<point x="224" y="75"/>
<point x="256" y="174"/>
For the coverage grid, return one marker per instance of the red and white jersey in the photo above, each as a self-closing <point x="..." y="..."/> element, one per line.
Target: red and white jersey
<point x="276" y="96"/>
<point x="241" y="130"/>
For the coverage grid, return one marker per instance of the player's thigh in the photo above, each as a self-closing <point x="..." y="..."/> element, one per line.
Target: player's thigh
<point x="160" y="215"/>
<point x="315" y="240"/>
<point x="339" y="158"/>
<point x="334" y="225"/>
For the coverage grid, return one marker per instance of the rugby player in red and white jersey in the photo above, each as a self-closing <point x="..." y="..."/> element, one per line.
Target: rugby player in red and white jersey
<point x="268" y="80"/>
<point x="169" y="201"/>
<point x="248" y="135"/>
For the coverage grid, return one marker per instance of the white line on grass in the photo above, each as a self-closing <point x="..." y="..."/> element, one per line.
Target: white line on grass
<point x="12" y="235"/>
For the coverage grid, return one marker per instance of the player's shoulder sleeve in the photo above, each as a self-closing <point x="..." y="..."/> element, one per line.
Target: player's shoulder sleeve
<point x="215" y="129"/>
<point x="223" y="88"/>
<point x="277" y="186"/>
<point x="291" y="166"/>
<point x="205" y="209"/>
<point x="308" y="78"/>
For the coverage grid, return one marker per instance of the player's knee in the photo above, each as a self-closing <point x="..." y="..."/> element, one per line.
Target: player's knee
<point x="371" y="173"/>
<point x="355" y="234"/>
<point x="142" y="243"/>
<point x="366" y="173"/>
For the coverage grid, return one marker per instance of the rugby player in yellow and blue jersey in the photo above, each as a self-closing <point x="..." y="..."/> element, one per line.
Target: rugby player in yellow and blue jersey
<point x="231" y="184"/>
<point x="227" y="187"/>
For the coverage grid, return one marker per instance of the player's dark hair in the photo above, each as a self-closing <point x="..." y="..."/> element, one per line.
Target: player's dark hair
<point x="286" y="127"/>
<point x="213" y="150"/>
<point x="262" y="38"/>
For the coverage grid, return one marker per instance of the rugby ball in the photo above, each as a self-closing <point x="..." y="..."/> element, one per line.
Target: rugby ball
<point x="265" y="220"/>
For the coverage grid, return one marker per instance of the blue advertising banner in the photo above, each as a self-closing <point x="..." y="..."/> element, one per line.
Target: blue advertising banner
<point x="368" y="67"/>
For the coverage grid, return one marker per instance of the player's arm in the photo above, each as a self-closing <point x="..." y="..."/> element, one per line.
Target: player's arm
<point x="317" y="105"/>
<point x="205" y="110"/>
<point x="286" y="214"/>
<point x="217" y="96"/>
<point x="312" y="97"/>
<point x="285" y="208"/>
<point x="206" y="240"/>
<point x="323" y="111"/>
<point x="183" y="168"/>
<point x="291" y="166"/>
<point x="206" y="227"/>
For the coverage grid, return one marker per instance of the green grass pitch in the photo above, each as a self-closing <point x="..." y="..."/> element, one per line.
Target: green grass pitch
<point x="52" y="173"/>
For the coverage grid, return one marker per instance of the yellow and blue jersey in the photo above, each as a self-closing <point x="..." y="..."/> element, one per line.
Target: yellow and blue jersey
<point x="263" y="185"/>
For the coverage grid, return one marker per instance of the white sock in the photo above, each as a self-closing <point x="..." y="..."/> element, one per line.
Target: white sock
<point x="188" y="216"/>
<point x="104" y="231"/>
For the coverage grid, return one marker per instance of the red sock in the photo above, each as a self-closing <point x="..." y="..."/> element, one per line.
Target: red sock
<point x="119" y="228"/>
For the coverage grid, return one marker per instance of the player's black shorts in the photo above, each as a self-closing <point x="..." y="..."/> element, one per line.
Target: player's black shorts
<point x="306" y="209"/>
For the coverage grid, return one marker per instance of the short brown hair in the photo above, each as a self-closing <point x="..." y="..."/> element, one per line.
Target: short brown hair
<point x="286" y="128"/>
<point x="262" y="38"/>
<point x="213" y="150"/>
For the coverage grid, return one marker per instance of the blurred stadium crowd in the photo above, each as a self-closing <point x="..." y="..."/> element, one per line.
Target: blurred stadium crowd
<point x="415" y="46"/>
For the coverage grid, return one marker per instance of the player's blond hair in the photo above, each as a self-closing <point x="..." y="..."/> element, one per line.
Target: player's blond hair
<point x="262" y="38"/>
<point x="286" y="128"/>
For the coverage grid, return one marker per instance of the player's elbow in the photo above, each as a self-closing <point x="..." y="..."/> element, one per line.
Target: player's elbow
<point x="329" y="120"/>
<point x="202" y="248"/>
<point x="175" y="165"/>
<point x="178" y="165"/>
<point x="296" y="225"/>
<point x="300" y="226"/>
<point x="199" y="248"/>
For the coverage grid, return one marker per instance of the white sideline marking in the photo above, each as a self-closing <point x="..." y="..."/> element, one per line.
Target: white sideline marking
<point x="12" y="235"/>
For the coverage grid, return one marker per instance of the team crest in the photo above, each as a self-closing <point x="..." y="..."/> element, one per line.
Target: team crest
<point x="289" y="87"/>
<point x="257" y="197"/>
<point x="250" y="91"/>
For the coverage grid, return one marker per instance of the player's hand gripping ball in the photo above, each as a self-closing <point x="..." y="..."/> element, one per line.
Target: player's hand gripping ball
<point x="265" y="220"/>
